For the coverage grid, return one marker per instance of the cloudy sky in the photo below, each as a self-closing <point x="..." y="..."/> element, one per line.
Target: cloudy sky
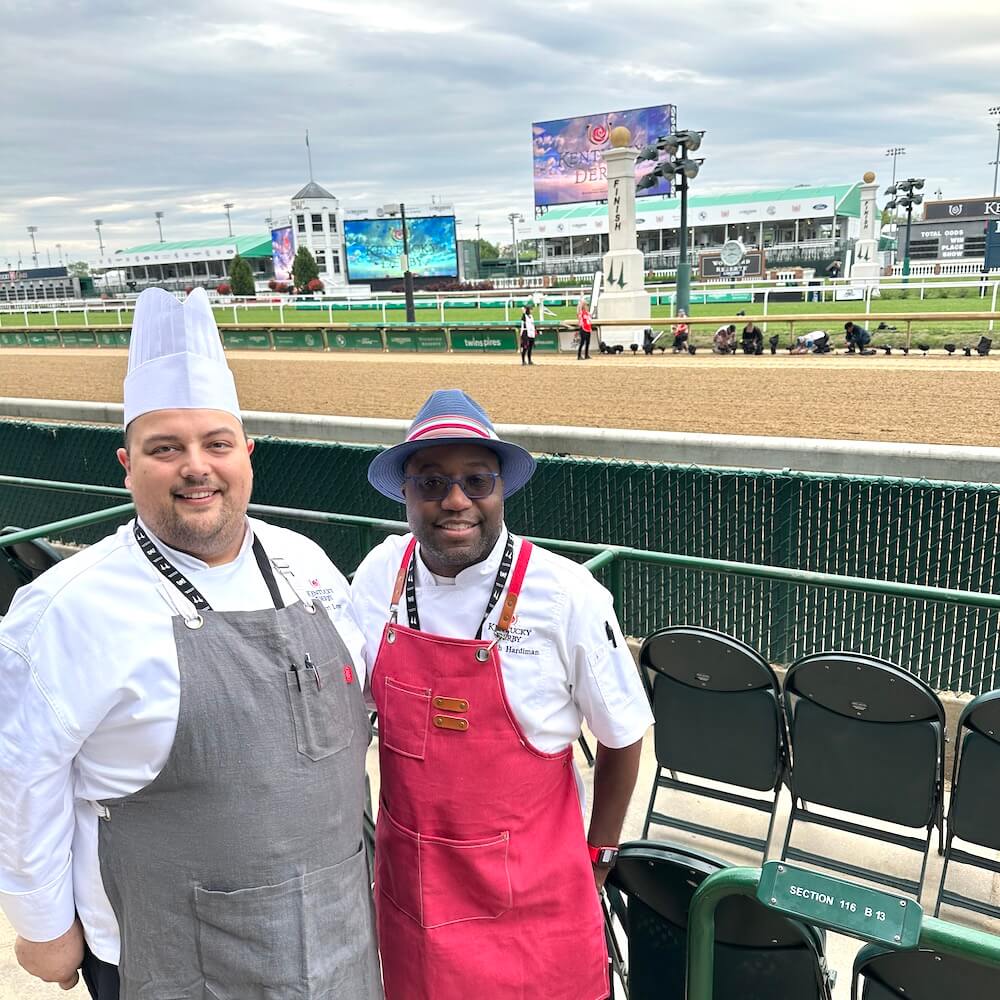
<point x="115" y="111"/>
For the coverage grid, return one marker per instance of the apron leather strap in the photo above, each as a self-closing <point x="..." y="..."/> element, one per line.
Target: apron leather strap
<point x="514" y="590"/>
<point x="397" y="590"/>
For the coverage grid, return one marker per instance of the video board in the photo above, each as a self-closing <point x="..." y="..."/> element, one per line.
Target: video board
<point x="375" y="247"/>
<point x="566" y="153"/>
<point x="282" y="253"/>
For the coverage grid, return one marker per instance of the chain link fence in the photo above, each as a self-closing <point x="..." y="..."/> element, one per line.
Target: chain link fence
<point x="908" y="531"/>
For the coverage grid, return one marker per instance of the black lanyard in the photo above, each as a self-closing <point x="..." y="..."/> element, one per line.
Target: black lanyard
<point x="186" y="587"/>
<point x="506" y="561"/>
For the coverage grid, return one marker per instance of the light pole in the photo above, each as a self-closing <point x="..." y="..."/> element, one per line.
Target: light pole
<point x="34" y="249"/>
<point x="229" y="219"/>
<point x="159" y="223"/>
<point x="400" y="209"/>
<point x="996" y="162"/>
<point x="678" y="163"/>
<point x="906" y="194"/>
<point x="514" y="218"/>
<point x="59" y="251"/>
<point x="100" y="243"/>
<point x="895" y="151"/>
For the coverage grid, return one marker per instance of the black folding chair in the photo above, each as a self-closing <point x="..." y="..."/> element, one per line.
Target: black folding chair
<point x="974" y="813"/>
<point x="717" y="708"/>
<point x="34" y="557"/>
<point x="921" y="975"/>
<point x="21" y="563"/>
<point x="759" y="954"/>
<point x="867" y="738"/>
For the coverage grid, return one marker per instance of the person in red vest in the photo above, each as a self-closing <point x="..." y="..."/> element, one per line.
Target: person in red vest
<point x="586" y="328"/>
<point x="488" y="654"/>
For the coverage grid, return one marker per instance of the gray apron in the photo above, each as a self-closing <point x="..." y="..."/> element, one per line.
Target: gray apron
<point x="238" y="873"/>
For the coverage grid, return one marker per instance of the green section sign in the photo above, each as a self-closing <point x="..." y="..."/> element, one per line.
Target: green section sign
<point x="245" y="340"/>
<point x="11" y="340"/>
<point x="855" y="910"/>
<point x="547" y="340"/>
<point x="44" y="340"/>
<point x="113" y="338"/>
<point x="354" y="340"/>
<point x="419" y="341"/>
<point x="483" y="340"/>
<point x="294" y="340"/>
<point x="79" y="338"/>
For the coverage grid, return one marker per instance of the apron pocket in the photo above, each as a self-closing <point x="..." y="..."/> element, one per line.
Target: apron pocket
<point x="438" y="881"/>
<point x="321" y="712"/>
<point x="309" y="937"/>
<point x="404" y="718"/>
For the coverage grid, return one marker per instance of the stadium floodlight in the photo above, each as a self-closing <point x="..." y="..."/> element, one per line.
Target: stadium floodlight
<point x="690" y="139"/>
<point x="159" y="224"/>
<point x="512" y="218"/>
<point x="995" y="110"/>
<point x="891" y="189"/>
<point x="649" y="153"/>
<point x="229" y="219"/>
<point x="98" y="223"/>
<point x="669" y="144"/>
<point x="906" y="197"/>
<point x="34" y="249"/>
<point x="689" y="168"/>
<point x="649" y="180"/>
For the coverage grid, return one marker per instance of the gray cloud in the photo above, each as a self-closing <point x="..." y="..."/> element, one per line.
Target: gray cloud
<point x="118" y="111"/>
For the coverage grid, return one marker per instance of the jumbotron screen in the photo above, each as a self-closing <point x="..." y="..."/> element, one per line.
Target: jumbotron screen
<point x="566" y="153"/>
<point x="375" y="247"/>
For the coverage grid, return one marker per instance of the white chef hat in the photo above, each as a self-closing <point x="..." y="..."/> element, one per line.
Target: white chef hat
<point x="175" y="357"/>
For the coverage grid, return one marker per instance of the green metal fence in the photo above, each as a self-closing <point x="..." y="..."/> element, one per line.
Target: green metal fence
<point x="941" y="535"/>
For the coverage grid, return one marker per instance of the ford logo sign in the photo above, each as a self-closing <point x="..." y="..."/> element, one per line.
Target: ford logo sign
<point x="819" y="207"/>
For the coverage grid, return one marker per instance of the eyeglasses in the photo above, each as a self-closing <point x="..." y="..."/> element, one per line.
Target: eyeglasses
<point x="476" y="485"/>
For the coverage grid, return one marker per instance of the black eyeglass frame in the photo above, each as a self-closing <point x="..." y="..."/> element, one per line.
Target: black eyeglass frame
<point x="453" y="481"/>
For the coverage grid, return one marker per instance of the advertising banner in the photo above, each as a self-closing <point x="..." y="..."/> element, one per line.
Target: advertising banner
<point x="375" y="247"/>
<point x="568" y="165"/>
<point x="282" y="253"/>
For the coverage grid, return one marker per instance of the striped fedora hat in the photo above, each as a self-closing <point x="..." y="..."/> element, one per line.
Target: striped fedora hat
<point x="449" y="417"/>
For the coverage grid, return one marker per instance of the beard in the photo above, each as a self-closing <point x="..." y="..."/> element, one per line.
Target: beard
<point x="456" y="557"/>
<point x="202" y="535"/>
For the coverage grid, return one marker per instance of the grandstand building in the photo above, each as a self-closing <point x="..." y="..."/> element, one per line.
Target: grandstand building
<point x="798" y="226"/>
<point x="181" y="264"/>
<point x="39" y="283"/>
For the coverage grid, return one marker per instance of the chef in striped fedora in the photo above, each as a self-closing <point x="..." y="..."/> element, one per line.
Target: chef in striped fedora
<point x="488" y="653"/>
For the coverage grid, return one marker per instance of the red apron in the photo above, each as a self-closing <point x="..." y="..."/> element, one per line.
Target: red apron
<point x="483" y="881"/>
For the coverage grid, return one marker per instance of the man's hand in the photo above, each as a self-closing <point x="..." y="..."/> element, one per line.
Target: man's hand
<point x="54" y="961"/>
<point x="600" y="876"/>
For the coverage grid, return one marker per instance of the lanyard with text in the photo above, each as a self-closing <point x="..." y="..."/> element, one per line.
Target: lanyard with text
<point x="186" y="587"/>
<point x="506" y="561"/>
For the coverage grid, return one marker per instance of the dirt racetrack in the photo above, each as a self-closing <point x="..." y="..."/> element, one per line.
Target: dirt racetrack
<point x="934" y="399"/>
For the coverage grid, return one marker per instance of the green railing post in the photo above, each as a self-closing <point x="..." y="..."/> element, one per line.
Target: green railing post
<point x="68" y="524"/>
<point x="701" y="925"/>
<point x="617" y="587"/>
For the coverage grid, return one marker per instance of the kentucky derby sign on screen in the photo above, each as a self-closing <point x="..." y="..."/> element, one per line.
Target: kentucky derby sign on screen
<point x="567" y="153"/>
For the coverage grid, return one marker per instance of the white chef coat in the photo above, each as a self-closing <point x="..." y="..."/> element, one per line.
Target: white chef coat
<point x="89" y="697"/>
<point x="559" y="664"/>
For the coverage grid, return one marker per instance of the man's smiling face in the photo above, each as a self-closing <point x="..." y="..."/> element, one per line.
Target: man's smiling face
<point x="454" y="532"/>
<point x="190" y="476"/>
